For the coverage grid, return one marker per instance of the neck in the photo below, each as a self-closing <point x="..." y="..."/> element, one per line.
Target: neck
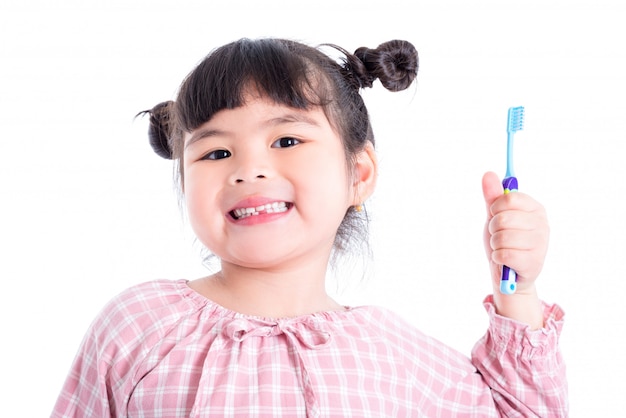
<point x="270" y="293"/>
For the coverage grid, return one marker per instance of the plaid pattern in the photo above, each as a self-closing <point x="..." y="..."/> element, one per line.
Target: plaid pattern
<point x="161" y="350"/>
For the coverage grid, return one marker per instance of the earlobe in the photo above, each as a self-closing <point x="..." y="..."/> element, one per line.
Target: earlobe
<point x="365" y="174"/>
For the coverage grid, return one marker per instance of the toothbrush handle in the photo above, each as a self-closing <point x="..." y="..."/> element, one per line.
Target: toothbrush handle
<point x="508" y="282"/>
<point x="509" y="184"/>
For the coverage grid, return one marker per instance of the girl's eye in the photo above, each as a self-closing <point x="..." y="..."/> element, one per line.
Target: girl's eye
<point x="285" y="142"/>
<point x="217" y="155"/>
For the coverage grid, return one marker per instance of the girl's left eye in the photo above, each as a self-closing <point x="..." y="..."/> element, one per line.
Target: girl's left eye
<point x="285" y="142"/>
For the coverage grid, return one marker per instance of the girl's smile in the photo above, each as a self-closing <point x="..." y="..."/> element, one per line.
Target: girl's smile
<point x="260" y="208"/>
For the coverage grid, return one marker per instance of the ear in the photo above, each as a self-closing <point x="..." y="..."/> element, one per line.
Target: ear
<point x="365" y="174"/>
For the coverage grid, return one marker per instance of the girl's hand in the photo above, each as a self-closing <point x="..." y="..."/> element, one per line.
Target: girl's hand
<point x="516" y="234"/>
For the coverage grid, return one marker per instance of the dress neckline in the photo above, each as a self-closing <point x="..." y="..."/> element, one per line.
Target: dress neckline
<point x="196" y="297"/>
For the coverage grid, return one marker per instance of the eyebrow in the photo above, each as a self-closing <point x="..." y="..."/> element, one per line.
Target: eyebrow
<point x="201" y="134"/>
<point x="281" y="120"/>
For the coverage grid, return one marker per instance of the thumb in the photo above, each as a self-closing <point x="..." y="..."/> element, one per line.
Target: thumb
<point x="492" y="189"/>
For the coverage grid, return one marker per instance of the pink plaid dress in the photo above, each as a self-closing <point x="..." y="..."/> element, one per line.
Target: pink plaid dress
<point x="160" y="349"/>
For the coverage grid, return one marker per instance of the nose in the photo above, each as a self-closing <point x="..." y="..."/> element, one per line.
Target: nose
<point x="250" y="167"/>
<point x="259" y="176"/>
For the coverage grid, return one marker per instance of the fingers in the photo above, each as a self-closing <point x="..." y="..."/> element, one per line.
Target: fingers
<point x="514" y="201"/>
<point x="516" y="220"/>
<point x="516" y="240"/>
<point x="518" y="234"/>
<point x="526" y="263"/>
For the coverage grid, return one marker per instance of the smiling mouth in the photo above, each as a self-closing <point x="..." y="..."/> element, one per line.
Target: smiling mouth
<point x="275" y="207"/>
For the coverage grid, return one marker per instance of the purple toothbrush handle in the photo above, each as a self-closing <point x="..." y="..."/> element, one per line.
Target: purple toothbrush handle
<point x="509" y="184"/>
<point x="508" y="282"/>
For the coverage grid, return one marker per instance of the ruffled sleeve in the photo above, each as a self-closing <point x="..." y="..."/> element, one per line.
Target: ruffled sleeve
<point x="523" y="367"/>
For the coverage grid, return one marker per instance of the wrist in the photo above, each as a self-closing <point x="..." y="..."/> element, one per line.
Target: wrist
<point x="523" y="306"/>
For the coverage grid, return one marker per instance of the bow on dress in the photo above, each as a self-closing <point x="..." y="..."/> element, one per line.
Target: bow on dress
<point x="300" y="333"/>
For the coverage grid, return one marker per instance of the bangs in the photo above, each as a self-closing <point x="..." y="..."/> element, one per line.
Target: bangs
<point x="283" y="71"/>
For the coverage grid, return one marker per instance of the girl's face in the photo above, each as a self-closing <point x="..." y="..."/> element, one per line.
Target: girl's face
<point x="266" y="184"/>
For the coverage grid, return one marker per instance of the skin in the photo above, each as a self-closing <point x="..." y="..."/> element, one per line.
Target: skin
<point x="275" y="265"/>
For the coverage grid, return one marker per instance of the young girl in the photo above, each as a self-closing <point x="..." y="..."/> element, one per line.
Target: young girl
<point x="276" y="156"/>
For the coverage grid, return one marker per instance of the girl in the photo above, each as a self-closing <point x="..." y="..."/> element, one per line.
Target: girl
<point x="276" y="156"/>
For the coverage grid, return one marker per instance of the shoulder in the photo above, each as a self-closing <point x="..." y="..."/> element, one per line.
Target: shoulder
<point x="143" y="320"/>
<point x="162" y="296"/>
<point x="143" y="311"/>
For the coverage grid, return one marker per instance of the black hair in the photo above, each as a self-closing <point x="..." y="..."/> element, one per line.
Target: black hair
<point x="290" y="74"/>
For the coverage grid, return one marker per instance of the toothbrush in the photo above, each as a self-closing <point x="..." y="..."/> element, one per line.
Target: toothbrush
<point x="515" y="122"/>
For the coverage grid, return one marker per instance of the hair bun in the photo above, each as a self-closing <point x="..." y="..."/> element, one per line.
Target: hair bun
<point x="160" y="128"/>
<point x="394" y="63"/>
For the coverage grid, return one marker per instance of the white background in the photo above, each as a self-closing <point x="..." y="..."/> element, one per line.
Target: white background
<point x="88" y="210"/>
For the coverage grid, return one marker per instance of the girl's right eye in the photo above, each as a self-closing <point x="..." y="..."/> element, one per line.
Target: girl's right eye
<point x="217" y="155"/>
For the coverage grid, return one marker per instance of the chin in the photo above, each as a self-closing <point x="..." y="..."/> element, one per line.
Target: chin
<point x="256" y="258"/>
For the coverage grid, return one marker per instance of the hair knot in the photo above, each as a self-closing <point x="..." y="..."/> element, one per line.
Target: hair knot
<point x="394" y="63"/>
<point x="160" y="129"/>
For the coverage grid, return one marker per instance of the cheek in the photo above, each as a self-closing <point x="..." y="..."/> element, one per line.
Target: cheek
<point x="199" y="199"/>
<point x="204" y="217"/>
<point x="327" y="180"/>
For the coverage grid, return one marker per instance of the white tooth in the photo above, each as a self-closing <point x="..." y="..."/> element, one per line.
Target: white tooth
<point x="274" y="207"/>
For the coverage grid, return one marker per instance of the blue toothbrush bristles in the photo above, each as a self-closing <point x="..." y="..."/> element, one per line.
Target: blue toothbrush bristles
<point x="515" y="122"/>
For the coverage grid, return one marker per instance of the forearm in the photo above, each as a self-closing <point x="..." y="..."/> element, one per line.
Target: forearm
<point x="525" y="367"/>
